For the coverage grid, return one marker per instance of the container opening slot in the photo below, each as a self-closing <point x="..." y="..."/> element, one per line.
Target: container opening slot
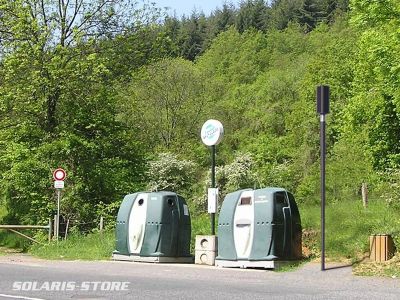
<point x="170" y="202"/>
<point x="245" y="201"/>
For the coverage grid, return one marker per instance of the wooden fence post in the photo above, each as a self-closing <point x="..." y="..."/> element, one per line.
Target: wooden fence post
<point x="66" y="230"/>
<point x="50" y="229"/>
<point x="101" y="224"/>
<point x="55" y="225"/>
<point x="364" y="194"/>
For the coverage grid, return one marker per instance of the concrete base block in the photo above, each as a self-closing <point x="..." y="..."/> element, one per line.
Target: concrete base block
<point x="204" y="257"/>
<point x="244" y="264"/>
<point x="121" y="257"/>
<point x="153" y="259"/>
<point x="206" y="243"/>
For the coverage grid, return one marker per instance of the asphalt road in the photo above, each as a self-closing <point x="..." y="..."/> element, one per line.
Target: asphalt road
<point x="89" y="280"/>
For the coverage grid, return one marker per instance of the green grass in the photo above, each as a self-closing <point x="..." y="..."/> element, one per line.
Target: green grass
<point x="94" y="246"/>
<point x="201" y="225"/>
<point x="292" y="266"/>
<point x="348" y="227"/>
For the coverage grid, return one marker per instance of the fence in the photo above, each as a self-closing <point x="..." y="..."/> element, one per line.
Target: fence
<point x="16" y="228"/>
<point x="66" y="224"/>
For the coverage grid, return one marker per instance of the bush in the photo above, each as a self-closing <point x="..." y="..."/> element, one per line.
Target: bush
<point x="168" y="172"/>
<point x="237" y="175"/>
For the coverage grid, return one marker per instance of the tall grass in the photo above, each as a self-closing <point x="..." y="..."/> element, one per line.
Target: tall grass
<point x="94" y="246"/>
<point x="201" y="225"/>
<point x="348" y="226"/>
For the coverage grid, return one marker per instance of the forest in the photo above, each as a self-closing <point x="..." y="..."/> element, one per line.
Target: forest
<point x="115" y="92"/>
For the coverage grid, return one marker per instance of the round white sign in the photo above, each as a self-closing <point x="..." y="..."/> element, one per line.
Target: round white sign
<point x="59" y="174"/>
<point x="212" y="132"/>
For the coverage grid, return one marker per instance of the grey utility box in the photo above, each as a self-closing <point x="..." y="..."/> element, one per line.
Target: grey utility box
<point x="153" y="227"/>
<point x="258" y="228"/>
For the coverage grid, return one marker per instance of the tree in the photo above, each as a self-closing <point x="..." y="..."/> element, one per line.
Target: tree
<point x="252" y="14"/>
<point x="310" y="14"/>
<point x="192" y="35"/>
<point x="283" y="12"/>
<point x="224" y="18"/>
<point x="57" y="107"/>
<point x="42" y="31"/>
<point x="373" y="110"/>
<point x="164" y="104"/>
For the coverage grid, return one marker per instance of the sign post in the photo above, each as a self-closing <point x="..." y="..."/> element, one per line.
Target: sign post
<point x="58" y="176"/>
<point x="211" y="135"/>
<point x="322" y="109"/>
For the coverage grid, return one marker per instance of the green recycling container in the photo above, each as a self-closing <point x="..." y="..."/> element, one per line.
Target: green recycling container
<point x="257" y="228"/>
<point x="153" y="226"/>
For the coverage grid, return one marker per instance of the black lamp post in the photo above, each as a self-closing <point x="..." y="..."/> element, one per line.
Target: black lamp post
<point x="322" y="109"/>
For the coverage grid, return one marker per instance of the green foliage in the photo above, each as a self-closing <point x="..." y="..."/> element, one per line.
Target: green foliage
<point x="109" y="213"/>
<point x="164" y="104"/>
<point x="374" y="106"/>
<point x="11" y="240"/>
<point x="252" y="15"/>
<point x="58" y="110"/>
<point x="354" y="164"/>
<point x="390" y="188"/>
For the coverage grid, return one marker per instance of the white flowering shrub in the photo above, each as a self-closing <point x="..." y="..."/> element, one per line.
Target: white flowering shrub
<point x="168" y="172"/>
<point x="237" y="175"/>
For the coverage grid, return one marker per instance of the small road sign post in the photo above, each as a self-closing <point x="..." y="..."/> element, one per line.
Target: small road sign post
<point x="211" y="135"/>
<point x="58" y="176"/>
<point x="322" y="110"/>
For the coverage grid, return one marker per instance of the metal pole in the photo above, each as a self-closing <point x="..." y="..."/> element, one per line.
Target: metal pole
<point x="323" y="154"/>
<point x="58" y="213"/>
<point x="213" y="150"/>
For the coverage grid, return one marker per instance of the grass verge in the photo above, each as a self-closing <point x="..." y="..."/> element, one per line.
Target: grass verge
<point x="94" y="246"/>
<point x="348" y="226"/>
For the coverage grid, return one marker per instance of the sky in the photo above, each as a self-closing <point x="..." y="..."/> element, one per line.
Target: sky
<point x="186" y="6"/>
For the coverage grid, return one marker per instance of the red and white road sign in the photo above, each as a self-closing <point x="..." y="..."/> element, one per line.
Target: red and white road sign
<point x="59" y="174"/>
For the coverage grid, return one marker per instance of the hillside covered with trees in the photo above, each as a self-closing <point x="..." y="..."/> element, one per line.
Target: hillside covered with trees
<point x="116" y="94"/>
